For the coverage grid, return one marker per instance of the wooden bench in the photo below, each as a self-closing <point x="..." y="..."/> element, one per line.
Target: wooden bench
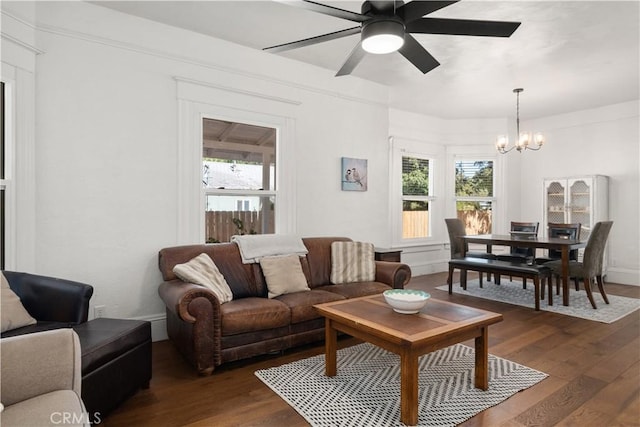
<point x="538" y="274"/>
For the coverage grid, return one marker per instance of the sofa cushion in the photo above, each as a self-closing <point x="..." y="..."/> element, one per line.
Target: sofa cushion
<point x="283" y="275"/>
<point x="253" y="314"/>
<point x="301" y="303"/>
<point x="14" y="315"/>
<point x="318" y="261"/>
<point x="352" y="262"/>
<point x="351" y="290"/>
<point x="201" y="270"/>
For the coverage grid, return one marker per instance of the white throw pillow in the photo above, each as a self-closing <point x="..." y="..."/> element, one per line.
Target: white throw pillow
<point x="201" y="270"/>
<point x="283" y="275"/>
<point x="14" y="315"/>
<point x="352" y="262"/>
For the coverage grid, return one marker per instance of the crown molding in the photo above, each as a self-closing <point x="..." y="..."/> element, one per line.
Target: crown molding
<point x="236" y="90"/>
<point x="133" y="47"/>
<point x="15" y="40"/>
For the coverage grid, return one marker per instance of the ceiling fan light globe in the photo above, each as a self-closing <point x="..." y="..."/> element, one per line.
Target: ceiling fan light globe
<point x="383" y="43"/>
<point x="383" y="36"/>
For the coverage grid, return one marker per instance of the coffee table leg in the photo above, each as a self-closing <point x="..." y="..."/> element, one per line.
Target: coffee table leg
<point x="482" y="359"/>
<point x="409" y="388"/>
<point x="331" y="345"/>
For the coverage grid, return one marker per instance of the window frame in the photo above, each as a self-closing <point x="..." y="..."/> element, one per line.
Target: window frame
<point x="430" y="199"/>
<point x="3" y="177"/>
<point x="405" y="147"/>
<point x="492" y="199"/>
<point x="7" y="184"/>
<point x="264" y="193"/>
<point x="197" y="101"/>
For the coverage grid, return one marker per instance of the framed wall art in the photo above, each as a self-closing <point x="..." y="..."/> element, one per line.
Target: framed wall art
<point x="354" y="174"/>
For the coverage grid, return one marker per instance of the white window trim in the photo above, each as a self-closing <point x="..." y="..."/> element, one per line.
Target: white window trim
<point x="20" y="169"/>
<point x="190" y="192"/>
<point x="404" y="147"/>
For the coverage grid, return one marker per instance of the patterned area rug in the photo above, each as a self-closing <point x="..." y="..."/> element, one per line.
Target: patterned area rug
<point x="366" y="391"/>
<point x="579" y="305"/>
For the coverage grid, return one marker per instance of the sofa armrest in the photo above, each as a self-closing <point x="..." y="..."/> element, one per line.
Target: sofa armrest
<point x="51" y="299"/>
<point x="199" y="339"/>
<point x="39" y="363"/>
<point x="178" y="296"/>
<point x="394" y="274"/>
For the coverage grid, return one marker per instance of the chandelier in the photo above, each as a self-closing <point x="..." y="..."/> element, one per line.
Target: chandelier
<point x="525" y="139"/>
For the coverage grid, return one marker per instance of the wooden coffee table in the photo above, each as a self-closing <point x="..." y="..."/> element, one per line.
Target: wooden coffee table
<point x="439" y="325"/>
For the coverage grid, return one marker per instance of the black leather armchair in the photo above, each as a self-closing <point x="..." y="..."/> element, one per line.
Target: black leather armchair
<point x="116" y="353"/>
<point x="54" y="303"/>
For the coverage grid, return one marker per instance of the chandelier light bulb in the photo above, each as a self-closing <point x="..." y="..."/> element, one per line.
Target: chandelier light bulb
<point x="502" y="141"/>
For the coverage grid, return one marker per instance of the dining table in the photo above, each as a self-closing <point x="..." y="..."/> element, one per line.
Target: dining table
<point x="527" y="241"/>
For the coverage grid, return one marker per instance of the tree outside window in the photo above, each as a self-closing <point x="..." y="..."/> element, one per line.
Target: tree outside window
<point x="474" y="194"/>
<point x="415" y="198"/>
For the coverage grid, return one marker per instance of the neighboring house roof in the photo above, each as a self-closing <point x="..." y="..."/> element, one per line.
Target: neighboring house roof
<point x="234" y="176"/>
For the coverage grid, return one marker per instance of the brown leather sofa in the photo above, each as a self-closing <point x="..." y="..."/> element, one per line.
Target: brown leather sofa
<point x="208" y="333"/>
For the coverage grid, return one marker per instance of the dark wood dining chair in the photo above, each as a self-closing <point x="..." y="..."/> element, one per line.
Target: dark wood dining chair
<point x="456" y="230"/>
<point x="562" y="231"/>
<point x="520" y="254"/>
<point x="592" y="261"/>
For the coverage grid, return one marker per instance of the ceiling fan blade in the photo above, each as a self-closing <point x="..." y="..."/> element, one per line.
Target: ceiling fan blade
<point x="417" y="55"/>
<point x="417" y="9"/>
<point x="354" y="59"/>
<point x="314" y="40"/>
<point x="327" y="10"/>
<point x="462" y="27"/>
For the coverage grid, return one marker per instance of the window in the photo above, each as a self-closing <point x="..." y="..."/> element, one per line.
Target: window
<point x="474" y="194"/>
<point x="416" y="197"/>
<point x="3" y="184"/>
<point x="238" y="177"/>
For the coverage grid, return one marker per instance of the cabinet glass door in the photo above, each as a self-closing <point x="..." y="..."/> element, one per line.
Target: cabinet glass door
<point x="556" y="202"/>
<point x="579" y="206"/>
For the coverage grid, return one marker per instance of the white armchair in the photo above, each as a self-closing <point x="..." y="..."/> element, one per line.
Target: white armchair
<point x="41" y="377"/>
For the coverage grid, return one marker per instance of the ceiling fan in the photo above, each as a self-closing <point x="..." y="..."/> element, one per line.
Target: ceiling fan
<point x="386" y="26"/>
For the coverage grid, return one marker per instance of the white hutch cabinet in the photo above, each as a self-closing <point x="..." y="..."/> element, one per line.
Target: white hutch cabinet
<point x="576" y="199"/>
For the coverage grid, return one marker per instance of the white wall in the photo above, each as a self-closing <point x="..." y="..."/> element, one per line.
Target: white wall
<point x="603" y="141"/>
<point x="107" y="141"/>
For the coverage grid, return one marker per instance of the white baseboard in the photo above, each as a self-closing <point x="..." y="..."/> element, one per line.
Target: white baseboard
<point x="158" y="326"/>
<point x="624" y="276"/>
<point x="428" y="268"/>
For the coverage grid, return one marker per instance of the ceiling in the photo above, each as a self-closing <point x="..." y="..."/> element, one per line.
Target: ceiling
<point x="567" y="55"/>
<point x="238" y="141"/>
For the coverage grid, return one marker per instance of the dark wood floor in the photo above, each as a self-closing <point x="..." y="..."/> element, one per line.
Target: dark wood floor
<point x="594" y="375"/>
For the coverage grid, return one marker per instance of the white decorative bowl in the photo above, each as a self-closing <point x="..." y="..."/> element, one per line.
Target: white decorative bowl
<point x="406" y="301"/>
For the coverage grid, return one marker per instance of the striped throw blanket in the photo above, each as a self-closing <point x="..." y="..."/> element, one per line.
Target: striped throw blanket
<point x="352" y="262"/>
